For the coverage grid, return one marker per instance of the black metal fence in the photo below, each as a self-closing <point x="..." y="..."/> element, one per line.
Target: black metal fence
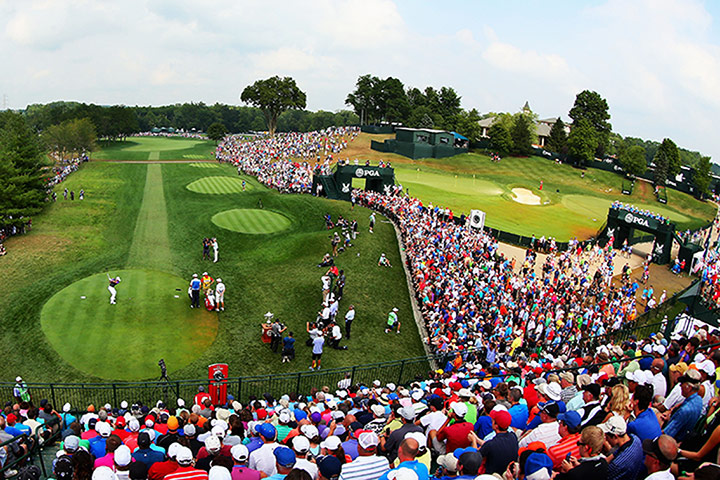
<point x="242" y="388"/>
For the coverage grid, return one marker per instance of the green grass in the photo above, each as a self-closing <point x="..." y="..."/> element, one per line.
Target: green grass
<point x="571" y="205"/>
<point x="120" y="227"/>
<point x="251" y="220"/>
<point x="577" y="206"/>
<point x="155" y="148"/>
<point x="150" y="246"/>
<point x="151" y="320"/>
<point x="217" y="185"/>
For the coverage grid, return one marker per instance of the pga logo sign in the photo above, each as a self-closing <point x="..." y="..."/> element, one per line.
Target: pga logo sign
<point x="366" y="173"/>
<point x="630" y="218"/>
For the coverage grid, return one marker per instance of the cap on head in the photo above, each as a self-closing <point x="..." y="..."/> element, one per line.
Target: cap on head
<point x="536" y="462"/>
<point x="502" y="418"/>
<point x="329" y="467"/>
<point x="332" y="442"/>
<point x="284" y="457"/>
<point x="615" y="425"/>
<point x="459" y="409"/>
<point x="239" y="453"/>
<point x="212" y="444"/>
<point x="71" y="443"/>
<point x="300" y="444"/>
<point x="122" y="456"/>
<point x="184" y="456"/>
<point x="571" y="418"/>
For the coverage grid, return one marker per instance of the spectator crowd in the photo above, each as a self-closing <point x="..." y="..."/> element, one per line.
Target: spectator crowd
<point x="648" y="411"/>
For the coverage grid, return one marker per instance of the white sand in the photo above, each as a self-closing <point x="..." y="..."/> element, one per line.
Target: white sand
<point x="525" y="196"/>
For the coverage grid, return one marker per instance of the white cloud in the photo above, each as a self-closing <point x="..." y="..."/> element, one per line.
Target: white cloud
<point x="657" y="62"/>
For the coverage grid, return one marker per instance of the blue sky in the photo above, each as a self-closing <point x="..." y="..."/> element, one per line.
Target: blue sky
<point x="657" y="62"/>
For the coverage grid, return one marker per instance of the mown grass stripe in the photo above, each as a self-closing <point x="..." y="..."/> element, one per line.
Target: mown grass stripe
<point x="151" y="243"/>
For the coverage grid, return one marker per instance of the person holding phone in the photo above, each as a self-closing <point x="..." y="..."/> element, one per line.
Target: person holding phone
<point x="591" y="464"/>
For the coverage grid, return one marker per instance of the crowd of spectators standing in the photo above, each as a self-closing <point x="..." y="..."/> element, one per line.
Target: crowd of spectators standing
<point x="176" y="134"/>
<point x="267" y="158"/>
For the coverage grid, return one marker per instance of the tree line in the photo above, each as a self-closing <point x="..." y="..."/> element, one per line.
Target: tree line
<point x="375" y="100"/>
<point x="118" y="121"/>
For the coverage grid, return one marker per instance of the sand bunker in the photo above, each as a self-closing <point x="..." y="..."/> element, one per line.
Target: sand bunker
<point x="525" y="196"/>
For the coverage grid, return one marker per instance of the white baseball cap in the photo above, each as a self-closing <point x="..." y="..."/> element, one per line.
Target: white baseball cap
<point x="239" y="452"/>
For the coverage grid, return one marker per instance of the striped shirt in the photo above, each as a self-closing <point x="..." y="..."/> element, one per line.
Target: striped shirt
<point x="188" y="473"/>
<point x="365" y="468"/>
<point x="567" y="445"/>
<point x="546" y="433"/>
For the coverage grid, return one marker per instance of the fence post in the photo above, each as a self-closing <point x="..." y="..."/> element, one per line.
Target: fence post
<point x="52" y="395"/>
<point x="297" y="385"/>
<point x="402" y="369"/>
<point x="239" y="390"/>
<point x="352" y="375"/>
<point x="115" y="402"/>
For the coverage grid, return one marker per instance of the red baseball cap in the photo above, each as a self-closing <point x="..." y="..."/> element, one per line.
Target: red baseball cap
<point x="502" y="418"/>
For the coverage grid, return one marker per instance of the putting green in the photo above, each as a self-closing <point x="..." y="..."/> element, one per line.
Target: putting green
<point x="251" y="220"/>
<point x="218" y="185"/>
<point x="151" y="320"/>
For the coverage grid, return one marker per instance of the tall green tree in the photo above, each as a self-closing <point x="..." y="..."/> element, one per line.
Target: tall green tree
<point x="22" y="187"/>
<point x="71" y="138"/>
<point x="557" y="141"/>
<point x="467" y="124"/>
<point x="701" y="178"/>
<point x="589" y="105"/>
<point x="632" y="160"/>
<point x="523" y="134"/>
<point x="500" y="139"/>
<point x="274" y="96"/>
<point x="216" y="131"/>
<point x="363" y="99"/>
<point x="582" y="141"/>
<point x="667" y="161"/>
<point x="391" y="100"/>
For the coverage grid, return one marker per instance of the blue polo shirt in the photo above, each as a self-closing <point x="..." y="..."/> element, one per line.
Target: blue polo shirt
<point x="419" y="468"/>
<point x="519" y="414"/>
<point x="646" y="425"/>
<point x="195" y="284"/>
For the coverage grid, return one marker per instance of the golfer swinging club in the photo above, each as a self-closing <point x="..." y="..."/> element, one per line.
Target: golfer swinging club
<point x="111" y="287"/>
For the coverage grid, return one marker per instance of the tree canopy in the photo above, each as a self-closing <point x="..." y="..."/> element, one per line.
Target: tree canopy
<point x="633" y="161"/>
<point x="71" y="138"/>
<point x="557" y="142"/>
<point x="216" y="131"/>
<point x="500" y="139"/>
<point x="582" y="141"/>
<point x="22" y="187"/>
<point x="523" y="134"/>
<point x="667" y="161"/>
<point x="701" y="178"/>
<point x="274" y="96"/>
<point x="591" y="107"/>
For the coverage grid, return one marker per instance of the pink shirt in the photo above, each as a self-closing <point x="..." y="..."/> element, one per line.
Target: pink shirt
<point x="106" y="461"/>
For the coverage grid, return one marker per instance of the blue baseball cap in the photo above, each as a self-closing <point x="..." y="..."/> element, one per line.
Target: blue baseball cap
<point x="537" y="461"/>
<point x="266" y="430"/>
<point x="285" y="457"/>
<point x="572" y="419"/>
